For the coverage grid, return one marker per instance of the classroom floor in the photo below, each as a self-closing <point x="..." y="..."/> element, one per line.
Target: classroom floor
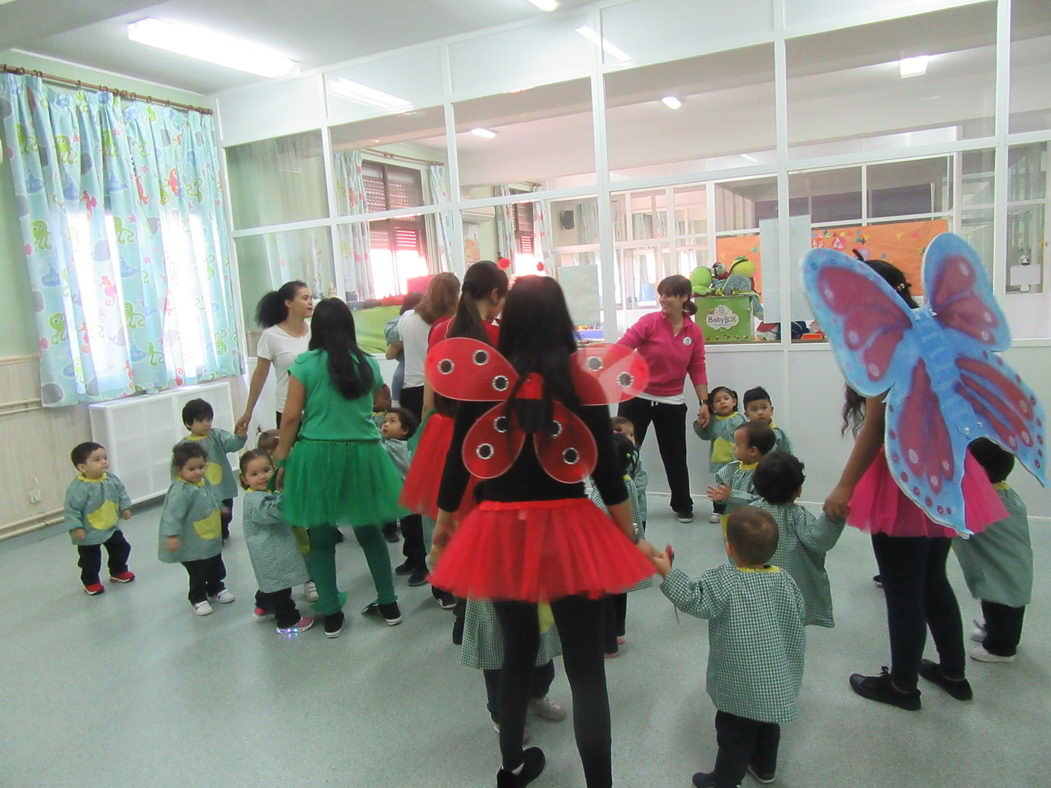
<point x="130" y="688"/>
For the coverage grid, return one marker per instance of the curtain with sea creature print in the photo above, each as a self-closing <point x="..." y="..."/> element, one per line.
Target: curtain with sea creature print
<point x="125" y="238"/>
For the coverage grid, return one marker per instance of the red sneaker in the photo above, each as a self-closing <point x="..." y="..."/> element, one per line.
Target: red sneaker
<point x="94" y="589"/>
<point x="123" y="577"/>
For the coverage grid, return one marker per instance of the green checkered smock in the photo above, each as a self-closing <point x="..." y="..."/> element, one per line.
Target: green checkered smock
<point x="638" y="513"/>
<point x="756" y="642"/>
<point x="738" y="477"/>
<point x="998" y="562"/>
<point x="483" y="646"/>
<point x="720" y="433"/>
<point x="272" y="547"/>
<point x="802" y="542"/>
<point x="781" y="440"/>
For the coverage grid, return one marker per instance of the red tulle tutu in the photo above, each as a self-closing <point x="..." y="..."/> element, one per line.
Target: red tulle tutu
<point x="879" y="506"/>
<point x="420" y="492"/>
<point x="533" y="551"/>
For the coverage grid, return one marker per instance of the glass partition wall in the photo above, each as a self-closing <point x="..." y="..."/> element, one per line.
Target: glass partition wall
<point x="609" y="147"/>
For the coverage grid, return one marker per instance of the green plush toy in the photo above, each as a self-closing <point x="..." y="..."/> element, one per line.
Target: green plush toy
<point x="701" y="279"/>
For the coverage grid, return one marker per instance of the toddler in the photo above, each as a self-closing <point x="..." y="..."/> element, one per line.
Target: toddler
<point x="757" y="407"/>
<point x="756" y="646"/>
<point x="803" y="539"/>
<point x="398" y="426"/>
<point x="276" y="560"/>
<point x="191" y="530"/>
<point x="752" y="441"/>
<point x="998" y="563"/>
<point x="722" y="404"/>
<point x="95" y="503"/>
<point x="623" y="426"/>
<point x="197" y="416"/>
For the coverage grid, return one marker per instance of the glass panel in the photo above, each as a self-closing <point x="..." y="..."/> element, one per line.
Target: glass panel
<point x="640" y="215"/>
<point x="1030" y="45"/>
<point x="691" y="210"/>
<point x="277" y="180"/>
<point x="639" y="269"/>
<point x="976" y="227"/>
<point x="893" y="84"/>
<point x="724" y="116"/>
<point x="1027" y="172"/>
<point x="740" y="205"/>
<point x="381" y="258"/>
<point x="976" y="177"/>
<point x="827" y="14"/>
<point x="524" y="139"/>
<point x="910" y="188"/>
<point x="383" y="164"/>
<point x="265" y="262"/>
<point x="380" y="87"/>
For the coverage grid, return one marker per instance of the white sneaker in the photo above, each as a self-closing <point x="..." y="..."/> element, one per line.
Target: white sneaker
<point x="547" y="708"/>
<point x="224" y="597"/>
<point x="714" y="517"/>
<point x="979" y="653"/>
<point x="202" y="608"/>
<point x="310" y="591"/>
<point x="978" y="633"/>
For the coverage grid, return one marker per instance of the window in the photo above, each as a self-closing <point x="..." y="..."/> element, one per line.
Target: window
<point x="388" y="187"/>
<point x="397" y="253"/>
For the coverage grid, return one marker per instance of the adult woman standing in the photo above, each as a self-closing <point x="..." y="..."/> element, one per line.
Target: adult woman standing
<point x="673" y="346"/>
<point x="283" y="314"/>
<point x="533" y="538"/>
<point x="337" y="471"/>
<point x="439" y="301"/>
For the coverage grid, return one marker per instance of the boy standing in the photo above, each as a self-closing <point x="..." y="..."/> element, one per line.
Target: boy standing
<point x="752" y="441"/>
<point x="757" y="407"/>
<point x="197" y="415"/>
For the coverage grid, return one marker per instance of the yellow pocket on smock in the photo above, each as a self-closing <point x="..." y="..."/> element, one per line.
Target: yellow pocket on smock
<point x="210" y="527"/>
<point x="105" y="517"/>
<point x="213" y="472"/>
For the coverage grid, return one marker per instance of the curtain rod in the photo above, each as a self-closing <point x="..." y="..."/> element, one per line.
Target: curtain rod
<point x="122" y="93"/>
<point x="387" y="155"/>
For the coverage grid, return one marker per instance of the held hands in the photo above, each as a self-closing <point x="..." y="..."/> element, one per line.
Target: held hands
<point x="79" y="533"/>
<point x="661" y="563"/>
<point x="703" y="415"/>
<point x="241" y="425"/>
<point x="720" y="493"/>
<point x="837" y="504"/>
<point x="225" y="511"/>
<point x="279" y="482"/>
<point x="126" y="514"/>
<point x="172" y="543"/>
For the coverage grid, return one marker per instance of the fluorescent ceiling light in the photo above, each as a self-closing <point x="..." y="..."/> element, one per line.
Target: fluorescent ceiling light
<point x="545" y="5"/>
<point x="210" y="45"/>
<point x="610" y="49"/>
<point x="752" y="159"/>
<point x="363" y="94"/>
<point x="671" y="102"/>
<point x="485" y="134"/>
<point x="913" y="66"/>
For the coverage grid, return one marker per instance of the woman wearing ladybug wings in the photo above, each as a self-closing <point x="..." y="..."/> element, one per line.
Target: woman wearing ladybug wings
<point x="533" y="424"/>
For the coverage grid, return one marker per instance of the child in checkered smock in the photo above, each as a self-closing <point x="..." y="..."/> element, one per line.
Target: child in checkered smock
<point x="733" y="482"/>
<point x="756" y="646"/>
<point x="803" y="539"/>
<point x="722" y="404"/>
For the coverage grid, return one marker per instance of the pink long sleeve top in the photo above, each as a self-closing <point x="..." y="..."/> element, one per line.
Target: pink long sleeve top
<point x="671" y="356"/>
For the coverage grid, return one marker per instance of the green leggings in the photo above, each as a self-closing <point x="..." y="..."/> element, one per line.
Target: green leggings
<point x="322" y="563"/>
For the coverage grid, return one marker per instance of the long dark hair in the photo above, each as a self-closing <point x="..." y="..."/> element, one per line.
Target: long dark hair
<point x="678" y="285"/>
<point x="332" y="330"/>
<point x="271" y="308"/>
<point x="440" y="299"/>
<point x="536" y="335"/>
<point x="853" y="403"/>
<point x="479" y="281"/>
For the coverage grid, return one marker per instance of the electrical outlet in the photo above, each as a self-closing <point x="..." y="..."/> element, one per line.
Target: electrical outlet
<point x="34" y="492"/>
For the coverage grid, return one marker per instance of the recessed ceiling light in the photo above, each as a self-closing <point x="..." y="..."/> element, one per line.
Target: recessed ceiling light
<point x="363" y="94"/>
<point x="545" y="5"/>
<point x="486" y="134"/>
<point x="913" y="66"/>
<point x="610" y="49"/>
<point x="671" y="102"/>
<point x="210" y="45"/>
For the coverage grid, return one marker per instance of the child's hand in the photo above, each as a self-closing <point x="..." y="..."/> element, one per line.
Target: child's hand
<point x="646" y="549"/>
<point x="79" y="533"/>
<point x="662" y="563"/>
<point x="126" y="514"/>
<point x="241" y="428"/>
<point x="837" y="504"/>
<point x="225" y="510"/>
<point x="172" y="543"/>
<point x="720" y="493"/>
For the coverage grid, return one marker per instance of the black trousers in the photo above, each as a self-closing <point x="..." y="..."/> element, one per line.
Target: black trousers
<point x="616" y="617"/>
<point x="90" y="563"/>
<point x="741" y="742"/>
<point x="206" y="577"/>
<point x="412" y="400"/>
<point x="669" y="422"/>
<point x="540" y="679"/>
<point x="280" y="604"/>
<point x="413" y="548"/>
<point x="1003" y="628"/>
<point x="225" y="518"/>
<point x="919" y="596"/>
<point x="581" y="623"/>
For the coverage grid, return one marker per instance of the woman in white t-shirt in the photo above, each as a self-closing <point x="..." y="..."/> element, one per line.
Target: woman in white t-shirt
<point x="439" y="301"/>
<point x="283" y="315"/>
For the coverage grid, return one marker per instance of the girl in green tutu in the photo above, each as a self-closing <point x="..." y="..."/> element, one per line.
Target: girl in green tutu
<point x="337" y="472"/>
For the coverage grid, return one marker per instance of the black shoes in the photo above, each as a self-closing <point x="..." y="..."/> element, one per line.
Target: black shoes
<point x="932" y="671"/>
<point x="334" y="625"/>
<point x="881" y="688"/>
<point x="761" y="777"/>
<point x="533" y="763"/>
<point x="418" y="578"/>
<point x="404" y="569"/>
<point x="389" y="610"/>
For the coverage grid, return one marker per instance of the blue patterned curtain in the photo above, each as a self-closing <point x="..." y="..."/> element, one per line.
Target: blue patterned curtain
<point x="125" y="239"/>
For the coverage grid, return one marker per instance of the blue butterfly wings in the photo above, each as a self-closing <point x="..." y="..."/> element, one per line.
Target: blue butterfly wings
<point x="945" y="383"/>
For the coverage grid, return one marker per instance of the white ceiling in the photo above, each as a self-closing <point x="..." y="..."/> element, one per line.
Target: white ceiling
<point x="313" y="33"/>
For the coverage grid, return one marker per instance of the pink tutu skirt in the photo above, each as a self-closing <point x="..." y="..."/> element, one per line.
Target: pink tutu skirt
<point x="879" y="506"/>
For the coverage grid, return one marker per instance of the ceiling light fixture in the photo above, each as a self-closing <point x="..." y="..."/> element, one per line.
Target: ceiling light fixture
<point x="752" y="159"/>
<point x="913" y="66"/>
<point x="485" y="134"/>
<point x="212" y="46"/>
<point x="546" y="5"/>
<point x="671" y="102"/>
<point x="363" y="94"/>
<point x="610" y="49"/>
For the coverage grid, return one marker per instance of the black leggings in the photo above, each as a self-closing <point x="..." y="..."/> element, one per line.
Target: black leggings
<point x="580" y="624"/>
<point x="919" y="596"/>
<point x="669" y="422"/>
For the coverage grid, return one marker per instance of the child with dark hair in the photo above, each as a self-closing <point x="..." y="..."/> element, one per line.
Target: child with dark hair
<point x="758" y="407"/>
<point x="733" y="483"/>
<point x="96" y="501"/>
<point x="397" y="426"/>
<point x="997" y="563"/>
<point x="624" y="426"/>
<point x="756" y="645"/>
<point x="197" y="415"/>
<point x="722" y="404"/>
<point x="803" y="539"/>
<point x="191" y="530"/>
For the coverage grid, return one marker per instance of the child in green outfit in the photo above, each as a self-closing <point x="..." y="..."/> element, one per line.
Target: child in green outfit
<point x="197" y="416"/>
<point x="722" y="404"/>
<point x="733" y="483"/>
<point x="758" y="407"/>
<point x="756" y="645"/>
<point x="95" y="503"/>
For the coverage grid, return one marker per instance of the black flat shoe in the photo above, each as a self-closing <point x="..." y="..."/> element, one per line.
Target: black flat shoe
<point x="533" y="763"/>
<point x="881" y="688"/>
<point x="932" y="671"/>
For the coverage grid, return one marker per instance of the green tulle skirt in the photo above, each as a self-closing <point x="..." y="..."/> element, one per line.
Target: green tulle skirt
<point x="341" y="483"/>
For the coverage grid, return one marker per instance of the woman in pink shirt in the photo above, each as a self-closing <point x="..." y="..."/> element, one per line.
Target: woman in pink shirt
<point x="673" y="346"/>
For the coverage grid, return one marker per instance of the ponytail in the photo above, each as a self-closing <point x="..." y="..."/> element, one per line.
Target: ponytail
<point x="271" y="308"/>
<point x="479" y="281"/>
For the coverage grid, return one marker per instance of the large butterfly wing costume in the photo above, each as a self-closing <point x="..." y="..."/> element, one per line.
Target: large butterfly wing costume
<point x="466" y="369"/>
<point x="945" y="381"/>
